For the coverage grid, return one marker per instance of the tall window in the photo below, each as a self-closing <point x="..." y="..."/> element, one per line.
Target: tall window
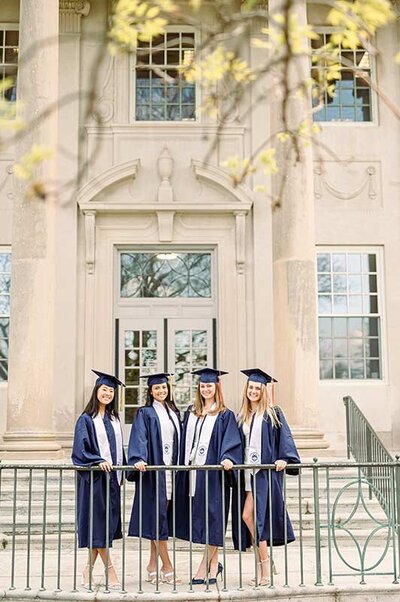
<point x="352" y="100"/>
<point x="5" y="278"/>
<point x="349" y="315"/>
<point x="9" y="37"/>
<point x="161" y="92"/>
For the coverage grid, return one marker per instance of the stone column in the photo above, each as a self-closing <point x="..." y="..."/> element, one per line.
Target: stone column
<point x="295" y="313"/>
<point x="31" y="386"/>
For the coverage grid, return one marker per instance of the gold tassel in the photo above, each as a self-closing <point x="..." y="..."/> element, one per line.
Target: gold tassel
<point x="121" y="398"/>
<point x="170" y="384"/>
<point x="221" y="396"/>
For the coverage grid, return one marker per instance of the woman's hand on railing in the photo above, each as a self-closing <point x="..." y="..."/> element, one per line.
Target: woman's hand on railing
<point x="227" y="464"/>
<point x="106" y="466"/>
<point x="280" y="465"/>
<point x="140" y="466"/>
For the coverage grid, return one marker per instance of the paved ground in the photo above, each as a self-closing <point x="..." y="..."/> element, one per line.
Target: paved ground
<point x="65" y="562"/>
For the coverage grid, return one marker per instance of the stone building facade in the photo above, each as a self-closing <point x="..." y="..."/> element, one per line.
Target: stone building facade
<point x="146" y="257"/>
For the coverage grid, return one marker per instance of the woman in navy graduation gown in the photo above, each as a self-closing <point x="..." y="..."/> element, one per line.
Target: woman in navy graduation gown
<point x="267" y="440"/>
<point x="154" y="440"/>
<point x="98" y="442"/>
<point x="209" y="436"/>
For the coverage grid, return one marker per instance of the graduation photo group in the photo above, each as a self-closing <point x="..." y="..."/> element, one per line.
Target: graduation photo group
<point x="209" y="434"/>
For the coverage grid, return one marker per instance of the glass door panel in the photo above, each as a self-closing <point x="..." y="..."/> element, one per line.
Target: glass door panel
<point x="141" y="351"/>
<point x="190" y="347"/>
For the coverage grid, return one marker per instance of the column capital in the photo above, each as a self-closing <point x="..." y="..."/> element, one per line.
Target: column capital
<point x="71" y="13"/>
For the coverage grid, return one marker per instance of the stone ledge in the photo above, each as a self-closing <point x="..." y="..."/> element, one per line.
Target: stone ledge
<point x="355" y="593"/>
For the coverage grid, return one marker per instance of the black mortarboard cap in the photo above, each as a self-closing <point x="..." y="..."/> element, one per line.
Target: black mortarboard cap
<point x="258" y="376"/>
<point x="156" y="379"/>
<point x="107" y="379"/>
<point x="209" y="375"/>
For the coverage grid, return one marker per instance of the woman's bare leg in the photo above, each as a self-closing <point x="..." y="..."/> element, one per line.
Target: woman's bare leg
<point x="86" y="570"/>
<point x="112" y="575"/>
<point x="248" y="518"/>
<point x="212" y="563"/>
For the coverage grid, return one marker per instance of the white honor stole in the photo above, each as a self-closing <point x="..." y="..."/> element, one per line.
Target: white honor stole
<point x="253" y="452"/>
<point x="198" y="436"/>
<point x="104" y="445"/>
<point x="167" y="420"/>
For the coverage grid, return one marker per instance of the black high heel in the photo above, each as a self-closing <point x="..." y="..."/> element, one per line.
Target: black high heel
<point x="213" y="580"/>
<point x="197" y="582"/>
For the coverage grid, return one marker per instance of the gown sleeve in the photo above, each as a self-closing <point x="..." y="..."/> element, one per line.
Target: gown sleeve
<point x="231" y="445"/>
<point x="287" y="448"/>
<point x="84" y="452"/>
<point x="138" y="442"/>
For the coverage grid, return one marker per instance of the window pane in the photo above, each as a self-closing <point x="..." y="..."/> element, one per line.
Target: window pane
<point x="324" y="304"/>
<point x="341" y="369"/>
<point x="357" y="368"/>
<point x="355" y="304"/>
<point x="354" y="263"/>
<point x="325" y="348"/>
<point x="340" y="304"/>
<point x="325" y="327"/>
<point x="339" y="327"/>
<point x="339" y="262"/>
<point x="373" y="369"/>
<point x="166" y="275"/>
<point x="340" y="348"/>
<point x="324" y="262"/>
<point x="325" y="369"/>
<point x="372" y="348"/>
<point x="371" y="327"/>
<point x="355" y="327"/>
<point x="339" y="284"/>
<point x="355" y="284"/>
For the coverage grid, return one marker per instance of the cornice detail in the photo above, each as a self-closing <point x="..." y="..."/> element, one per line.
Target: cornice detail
<point x="71" y="13"/>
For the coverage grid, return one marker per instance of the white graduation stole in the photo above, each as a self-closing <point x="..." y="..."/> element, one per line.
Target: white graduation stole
<point x="253" y="453"/>
<point x="196" y="449"/>
<point x="167" y="421"/>
<point x="104" y="445"/>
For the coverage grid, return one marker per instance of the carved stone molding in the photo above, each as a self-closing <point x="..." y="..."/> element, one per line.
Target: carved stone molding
<point x="165" y="225"/>
<point x="359" y="181"/>
<point x="105" y="102"/>
<point x="165" y="166"/>
<point x="71" y="13"/>
<point x="90" y="240"/>
<point x="107" y="178"/>
<point x="240" y="218"/>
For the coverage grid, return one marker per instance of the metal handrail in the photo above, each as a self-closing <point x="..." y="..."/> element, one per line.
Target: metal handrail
<point x="365" y="446"/>
<point x="39" y="513"/>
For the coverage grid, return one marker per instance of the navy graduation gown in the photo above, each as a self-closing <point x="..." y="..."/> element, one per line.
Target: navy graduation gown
<point x="225" y="443"/>
<point x="145" y="443"/>
<point x="277" y="444"/>
<point x="86" y="452"/>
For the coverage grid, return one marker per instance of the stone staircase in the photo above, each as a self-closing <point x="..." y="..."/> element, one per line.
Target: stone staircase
<point x="342" y="497"/>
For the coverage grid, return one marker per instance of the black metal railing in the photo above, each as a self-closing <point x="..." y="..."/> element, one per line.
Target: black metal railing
<point x="336" y="524"/>
<point x="365" y="446"/>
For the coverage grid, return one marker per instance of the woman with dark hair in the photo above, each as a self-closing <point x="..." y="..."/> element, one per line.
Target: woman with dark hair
<point x="209" y="436"/>
<point x="154" y="440"/>
<point x="267" y="439"/>
<point x="98" y="442"/>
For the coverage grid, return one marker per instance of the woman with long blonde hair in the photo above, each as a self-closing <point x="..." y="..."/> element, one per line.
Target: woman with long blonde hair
<point x="210" y="435"/>
<point x="267" y="439"/>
